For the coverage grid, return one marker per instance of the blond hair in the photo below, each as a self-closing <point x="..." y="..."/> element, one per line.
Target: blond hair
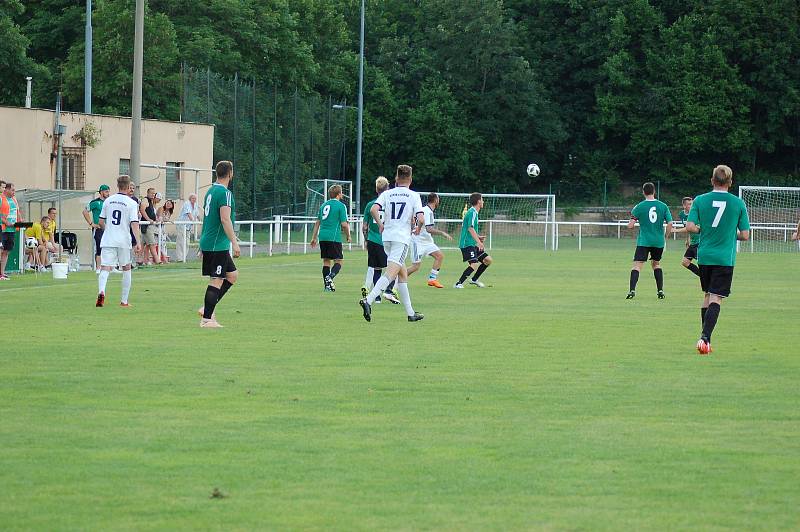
<point x="334" y="191"/>
<point x="722" y="176"/>
<point x="403" y="173"/>
<point x="381" y="184"/>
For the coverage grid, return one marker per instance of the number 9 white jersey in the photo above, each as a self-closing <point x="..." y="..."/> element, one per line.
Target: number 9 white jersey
<point x="119" y="211"/>
<point x="400" y="206"/>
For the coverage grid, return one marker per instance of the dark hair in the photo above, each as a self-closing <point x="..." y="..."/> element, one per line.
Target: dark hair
<point x="224" y="169"/>
<point x="403" y="172"/>
<point x="474" y="198"/>
<point x="124" y="181"/>
<point x="432" y="196"/>
<point x="9" y="184"/>
<point x="171" y="209"/>
<point x="50" y="209"/>
<point x="687" y="198"/>
<point x="2" y="182"/>
<point x="648" y="188"/>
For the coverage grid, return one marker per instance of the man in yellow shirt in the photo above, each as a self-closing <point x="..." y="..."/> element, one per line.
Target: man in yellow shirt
<point x="36" y="243"/>
<point x="49" y="233"/>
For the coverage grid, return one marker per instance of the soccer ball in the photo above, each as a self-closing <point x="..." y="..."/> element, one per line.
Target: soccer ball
<point x="31" y="243"/>
<point x="533" y="169"/>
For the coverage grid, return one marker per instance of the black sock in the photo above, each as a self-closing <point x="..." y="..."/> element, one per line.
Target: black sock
<point x="211" y="300"/>
<point x="710" y="320"/>
<point x="326" y="271"/>
<point x="481" y="269"/>
<point x="658" y="273"/>
<point x="391" y="285"/>
<point x="464" y="275"/>
<point x="703" y="314"/>
<point x="634" y="279"/>
<point x="335" y="270"/>
<point x="376" y="274"/>
<point x="226" y="285"/>
<point x="692" y="267"/>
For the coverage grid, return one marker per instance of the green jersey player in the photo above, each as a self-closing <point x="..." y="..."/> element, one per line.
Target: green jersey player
<point x="471" y="244"/>
<point x="331" y="221"/>
<point x="720" y="218"/>
<point x="651" y="215"/>
<point x="692" y="240"/>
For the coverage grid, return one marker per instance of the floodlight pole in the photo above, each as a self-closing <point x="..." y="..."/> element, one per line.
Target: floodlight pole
<point x="136" y="106"/>
<point x="359" y="140"/>
<point x="87" y="62"/>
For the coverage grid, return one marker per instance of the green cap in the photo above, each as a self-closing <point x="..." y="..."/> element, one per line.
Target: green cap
<point x="103" y="187"/>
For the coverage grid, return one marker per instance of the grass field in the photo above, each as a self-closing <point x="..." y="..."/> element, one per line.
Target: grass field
<point x="545" y="401"/>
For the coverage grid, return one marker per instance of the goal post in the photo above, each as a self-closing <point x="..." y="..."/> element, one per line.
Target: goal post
<point x="773" y="213"/>
<point x="317" y="194"/>
<point x="509" y="221"/>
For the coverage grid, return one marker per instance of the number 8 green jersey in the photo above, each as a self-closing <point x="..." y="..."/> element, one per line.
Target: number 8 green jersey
<point x="213" y="237"/>
<point x="719" y="214"/>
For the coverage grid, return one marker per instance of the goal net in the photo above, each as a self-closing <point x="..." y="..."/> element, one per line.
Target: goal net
<point x="773" y="212"/>
<point x="509" y="221"/>
<point x="317" y="194"/>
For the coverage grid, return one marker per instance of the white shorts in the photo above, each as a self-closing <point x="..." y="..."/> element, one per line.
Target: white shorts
<point x="115" y="257"/>
<point x="420" y="250"/>
<point x="395" y="252"/>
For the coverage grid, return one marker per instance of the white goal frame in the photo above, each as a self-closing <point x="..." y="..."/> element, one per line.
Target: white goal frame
<point x="787" y="227"/>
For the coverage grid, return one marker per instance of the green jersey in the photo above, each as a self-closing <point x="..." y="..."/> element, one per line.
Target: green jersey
<point x="719" y="214"/>
<point x="373" y="234"/>
<point x="331" y="215"/>
<point x="95" y="207"/>
<point x="694" y="238"/>
<point x="213" y="237"/>
<point x="651" y="215"/>
<point x="470" y="220"/>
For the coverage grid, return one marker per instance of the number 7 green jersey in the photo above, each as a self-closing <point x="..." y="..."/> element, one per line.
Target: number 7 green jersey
<point x="719" y="214"/>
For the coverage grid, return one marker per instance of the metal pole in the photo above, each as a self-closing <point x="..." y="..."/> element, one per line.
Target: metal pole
<point x="275" y="154"/>
<point x="294" y="155"/>
<point x="87" y="62"/>
<point x="344" y="142"/>
<point x="208" y="95"/>
<point x="360" y="113"/>
<point x="28" y="99"/>
<point x="60" y="130"/>
<point x="330" y="103"/>
<point x="235" y="114"/>
<point x="254" y="159"/>
<point x="136" y="107"/>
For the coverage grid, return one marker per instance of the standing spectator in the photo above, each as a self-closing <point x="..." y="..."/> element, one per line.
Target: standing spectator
<point x="147" y="212"/>
<point x="189" y="213"/>
<point x="9" y="215"/>
<point x="137" y="250"/>
<point x="92" y="216"/>
<point x="164" y="215"/>
<point x="50" y="232"/>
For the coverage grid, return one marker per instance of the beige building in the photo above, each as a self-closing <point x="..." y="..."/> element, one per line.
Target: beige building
<point x="96" y="150"/>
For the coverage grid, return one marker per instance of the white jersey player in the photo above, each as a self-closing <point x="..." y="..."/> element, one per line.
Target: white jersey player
<point x="119" y="216"/>
<point x="402" y="215"/>
<point x="423" y="245"/>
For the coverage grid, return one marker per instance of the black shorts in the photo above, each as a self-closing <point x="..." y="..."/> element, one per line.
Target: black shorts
<point x="716" y="279"/>
<point x="641" y="253"/>
<point x="217" y="263"/>
<point x="7" y="240"/>
<point x="330" y="250"/>
<point x="691" y="252"/>
<point x="376" y="255"/>
<point x="98" y="236"/>
<point x="471" y="254"/>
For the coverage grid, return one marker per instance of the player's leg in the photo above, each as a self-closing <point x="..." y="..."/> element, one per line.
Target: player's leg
<point x="688" y="256"/>
<point x="337" y="267"/>
<point x="639" y="258"/>
<point x="405" y="296"/>
<point x="470" y="256"/>
<point x="719" y="287"/>
<point x="108" y="258"/>
<point x="485" y="262"/>
<point x="327" y="261"/>
<point x="395" y="259"/>
<point x="222" y="273"/>
<point x="414" y="267"/>
<point x="416" y="258"/>
<point x="658" y="273"/>
<point x="433" y="275"/>
<point x="124" y="259"/>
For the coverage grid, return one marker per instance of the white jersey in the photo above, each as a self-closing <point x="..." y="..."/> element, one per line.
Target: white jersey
<point x="424" y="236"/>
<point x="400" y="206"/>
<point x="119" y="211"/>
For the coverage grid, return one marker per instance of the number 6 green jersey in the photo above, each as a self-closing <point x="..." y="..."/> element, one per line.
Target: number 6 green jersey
<point x="213" y="237"/>
<point x="719" y="214"/>
<point x="651" y="215"/>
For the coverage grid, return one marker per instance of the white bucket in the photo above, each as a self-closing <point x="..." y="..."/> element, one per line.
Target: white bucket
<point x="59" y="270"/>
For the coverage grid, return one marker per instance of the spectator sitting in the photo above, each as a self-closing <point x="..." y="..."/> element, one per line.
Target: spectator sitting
<point x="189" y="213"/>
<point x="37" y="254"/>
<point x="50" y="231"/>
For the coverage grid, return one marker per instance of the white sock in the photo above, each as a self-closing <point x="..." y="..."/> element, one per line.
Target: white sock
<point x="378" y="289"/>
<point x="102" y="279"/>
<point x="368" y="278"/>
<point x="434" y="274"/>
<point x="405" y="298"/>
<point x="127" y="279"/>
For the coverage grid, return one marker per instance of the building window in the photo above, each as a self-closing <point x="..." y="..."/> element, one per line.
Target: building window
<point x="173" y="180"/>
<point x="124" y="167"/>
<point x="73" y="169"/>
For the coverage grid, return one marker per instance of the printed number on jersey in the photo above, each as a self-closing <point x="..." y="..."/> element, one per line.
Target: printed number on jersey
<point x="653" y="215"/>
<point x="326" y="210"/>
<point x="207" y="208"/>
<point x="397" y="209"/>
<point x="116" y="217"/>
<point x="720" y="206"/>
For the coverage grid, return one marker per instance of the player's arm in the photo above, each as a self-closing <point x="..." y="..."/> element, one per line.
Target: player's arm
<point x="432" y="230"/>
<point x="137" y="234"/>
<point x="375" y="212"/>
<point x="227" y="226"/>
<point x="419" y="220"/>
<point x="346" y="229"/>
<point x="88" y="217"/>
<point x="314" y="234"/>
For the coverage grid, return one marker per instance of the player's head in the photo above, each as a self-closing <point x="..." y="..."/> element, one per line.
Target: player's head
<point x="104" y="191"/>
<point x="224" y="170"/>
<point x="381" y="184"/>
<point x="476" y="200"/>
<point x="722" y="176"/>
<point x="648" y="189"/>
<point x="687" y="203"/>
<point x="124" y="184"/>
<point x="45" y="221"/>
<point x="9" y="189"/>
<point x="51" y="212"/>
<point x="334" y="191"/>
<point x="403" y="175"/>
<point x="433" y="200"/>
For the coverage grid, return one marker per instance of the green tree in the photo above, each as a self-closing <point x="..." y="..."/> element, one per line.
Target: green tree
<point x="14" y="57"/>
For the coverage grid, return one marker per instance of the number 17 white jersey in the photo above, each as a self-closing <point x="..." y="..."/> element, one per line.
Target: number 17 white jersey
<point x="119" y="211"/>
<point x="400" y="206"/>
